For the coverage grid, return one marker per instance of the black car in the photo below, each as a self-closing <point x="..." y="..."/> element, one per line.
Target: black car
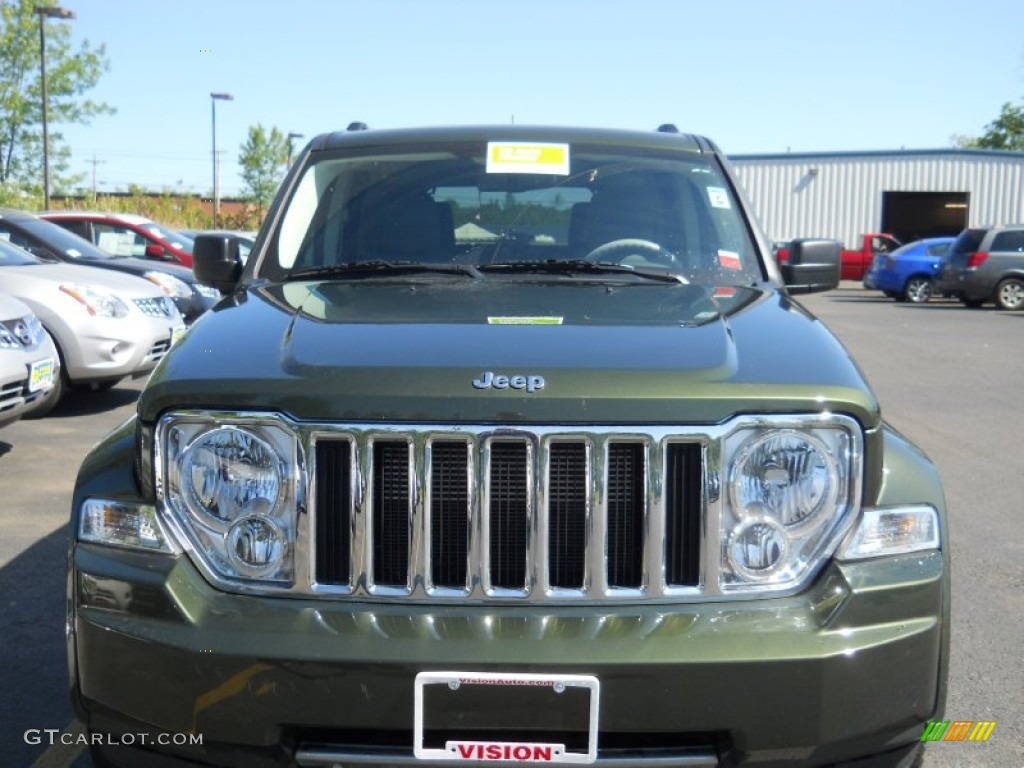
<point x="52" y="242"/>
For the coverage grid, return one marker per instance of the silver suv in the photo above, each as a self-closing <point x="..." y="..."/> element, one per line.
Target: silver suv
<point x="986" y="264"/>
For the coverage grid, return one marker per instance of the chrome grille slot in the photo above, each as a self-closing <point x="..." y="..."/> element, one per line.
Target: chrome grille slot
<point x="508" y="512"/>
<point x="391" y="513"/>
<point x="683" y="488"/>
<point x="334" y="505"/>
<point x="567" y="489"/>
<point x="449" y="514"/>
<point x="526" y="514"/>
<point x="625" y="494"/>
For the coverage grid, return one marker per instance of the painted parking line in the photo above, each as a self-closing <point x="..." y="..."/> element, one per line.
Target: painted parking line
<point x="68" y="747"/>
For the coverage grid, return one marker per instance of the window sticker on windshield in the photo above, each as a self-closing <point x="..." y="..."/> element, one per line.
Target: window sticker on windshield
<point x="719" y="197"/>
<point x="73" y="252"/>
<point x="524" y="320"/>
<point x="729" y="259"/>
<point x="527" y="157"/>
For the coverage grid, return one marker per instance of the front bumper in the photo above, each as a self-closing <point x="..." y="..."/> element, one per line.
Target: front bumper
<point x="851" y="667"/>
<point x="105" y="348"/>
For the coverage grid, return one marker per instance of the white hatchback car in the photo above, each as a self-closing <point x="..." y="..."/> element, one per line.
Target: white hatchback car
<point x="106" y="325"/>
<point x="28" y="361"/>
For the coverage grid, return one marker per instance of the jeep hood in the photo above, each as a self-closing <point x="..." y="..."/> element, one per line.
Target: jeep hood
<point x="510" y="352"/>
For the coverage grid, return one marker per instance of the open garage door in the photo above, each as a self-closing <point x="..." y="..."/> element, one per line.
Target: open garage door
<point x="913" y="215"/>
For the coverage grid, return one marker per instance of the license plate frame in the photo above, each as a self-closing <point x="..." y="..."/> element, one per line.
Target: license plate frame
<point x="41" y="374"/>
<point x="472" y="750"/>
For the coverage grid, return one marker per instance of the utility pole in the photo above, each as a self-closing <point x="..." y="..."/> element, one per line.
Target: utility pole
<point x="94" y="162"/>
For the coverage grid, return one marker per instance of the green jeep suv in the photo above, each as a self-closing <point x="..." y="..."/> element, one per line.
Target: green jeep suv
<point x="508" y="444"/>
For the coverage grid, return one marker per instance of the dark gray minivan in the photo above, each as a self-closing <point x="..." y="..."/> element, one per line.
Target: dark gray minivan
<point x="986" y="264"/>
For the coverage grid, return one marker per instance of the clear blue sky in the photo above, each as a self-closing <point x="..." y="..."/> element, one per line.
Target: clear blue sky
<point x="755" y="75"/>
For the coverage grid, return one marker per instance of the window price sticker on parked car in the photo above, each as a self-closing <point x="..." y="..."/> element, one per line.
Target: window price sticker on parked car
<point x="41" y="375"/>
<point x="505" y="717"/>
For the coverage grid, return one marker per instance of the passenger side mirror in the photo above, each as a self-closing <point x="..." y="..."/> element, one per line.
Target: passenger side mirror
<point x="813" y="265"/>
<point x="154" y="251"/>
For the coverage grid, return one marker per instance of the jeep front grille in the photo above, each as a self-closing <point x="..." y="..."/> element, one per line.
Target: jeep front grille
<point x="519" y="514"/>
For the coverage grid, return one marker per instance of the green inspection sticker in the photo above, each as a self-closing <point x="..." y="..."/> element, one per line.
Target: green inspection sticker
<point x="524" y="320"/>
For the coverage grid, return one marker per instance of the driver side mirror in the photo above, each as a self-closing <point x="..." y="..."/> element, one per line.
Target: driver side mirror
<point x="216" y="261"/>
<point x="812" y="266"/>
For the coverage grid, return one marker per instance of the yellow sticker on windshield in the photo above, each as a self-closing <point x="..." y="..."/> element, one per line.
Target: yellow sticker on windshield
<point x="527" y="157"/>
<point x="524" y="320"/>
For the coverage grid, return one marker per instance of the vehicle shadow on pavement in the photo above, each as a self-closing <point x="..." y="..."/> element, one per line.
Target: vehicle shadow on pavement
<point x="85" y="403"/>
<point x="4" y="448"/>
<point x="33" y="664"/>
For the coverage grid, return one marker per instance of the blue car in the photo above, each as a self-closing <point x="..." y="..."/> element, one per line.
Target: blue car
<point x="908" y="273"/>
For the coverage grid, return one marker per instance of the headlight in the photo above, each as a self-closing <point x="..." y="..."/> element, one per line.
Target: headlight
<point x="790" y="496"/>
<point x="96" y="301"/>
<point x="232" y="487"/>
<point x="35" y="328"/>
<point x="172" y="286"/>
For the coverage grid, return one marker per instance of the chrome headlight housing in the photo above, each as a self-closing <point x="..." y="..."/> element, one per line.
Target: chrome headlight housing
<point x="232" y="489"/>
<point x="792" y="490"/>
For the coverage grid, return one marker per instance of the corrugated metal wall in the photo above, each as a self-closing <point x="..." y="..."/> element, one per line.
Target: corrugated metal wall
<point x="840" y="196"/>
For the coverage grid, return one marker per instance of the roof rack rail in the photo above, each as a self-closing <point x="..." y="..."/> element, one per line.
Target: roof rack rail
<point x="668" y="128"/>
<point x="357" y="126"/>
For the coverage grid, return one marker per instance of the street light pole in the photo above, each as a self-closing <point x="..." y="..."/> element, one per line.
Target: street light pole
<point x="290" y="137"/>
<point x="214" y="98"/>
<point x="47" y="12"/>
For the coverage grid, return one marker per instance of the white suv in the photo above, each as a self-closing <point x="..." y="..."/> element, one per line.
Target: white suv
<point x="28" y="361"/>
<point x="106" y="325"/>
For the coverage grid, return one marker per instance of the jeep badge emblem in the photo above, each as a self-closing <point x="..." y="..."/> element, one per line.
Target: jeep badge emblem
<point x="490" y="380"/>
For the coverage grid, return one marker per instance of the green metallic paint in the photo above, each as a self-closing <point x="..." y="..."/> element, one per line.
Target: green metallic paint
<point x="696" y="362"/>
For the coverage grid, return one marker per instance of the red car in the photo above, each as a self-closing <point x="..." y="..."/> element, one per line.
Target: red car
<point x="125" y="234"/>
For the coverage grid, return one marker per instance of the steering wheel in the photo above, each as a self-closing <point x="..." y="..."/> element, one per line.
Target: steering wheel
<point x="619" y="251"/>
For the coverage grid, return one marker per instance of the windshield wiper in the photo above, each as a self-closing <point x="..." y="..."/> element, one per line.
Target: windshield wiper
<point x="380" y="267"/>
<point x="577" y="266"/>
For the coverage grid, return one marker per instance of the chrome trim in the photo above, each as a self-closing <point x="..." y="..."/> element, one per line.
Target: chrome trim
<point x="478" y="589"/>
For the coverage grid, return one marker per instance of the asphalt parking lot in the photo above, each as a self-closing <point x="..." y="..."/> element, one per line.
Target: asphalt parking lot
<point x="948" y="377"/>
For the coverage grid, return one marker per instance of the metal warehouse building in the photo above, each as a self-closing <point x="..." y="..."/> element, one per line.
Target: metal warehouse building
<point x="908" y="193"/>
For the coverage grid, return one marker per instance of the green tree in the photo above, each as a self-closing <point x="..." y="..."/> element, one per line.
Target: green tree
<point x="264" y="157"/>
<point x="1005" y="132"/>
<point x="69" y="75"/>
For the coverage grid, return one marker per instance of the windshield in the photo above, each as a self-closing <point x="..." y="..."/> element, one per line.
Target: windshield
<point x="515" y="203"/>
<point x="13" y="256"/>
<point x="171" y="236"/>
<point x="57" y="238"/>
